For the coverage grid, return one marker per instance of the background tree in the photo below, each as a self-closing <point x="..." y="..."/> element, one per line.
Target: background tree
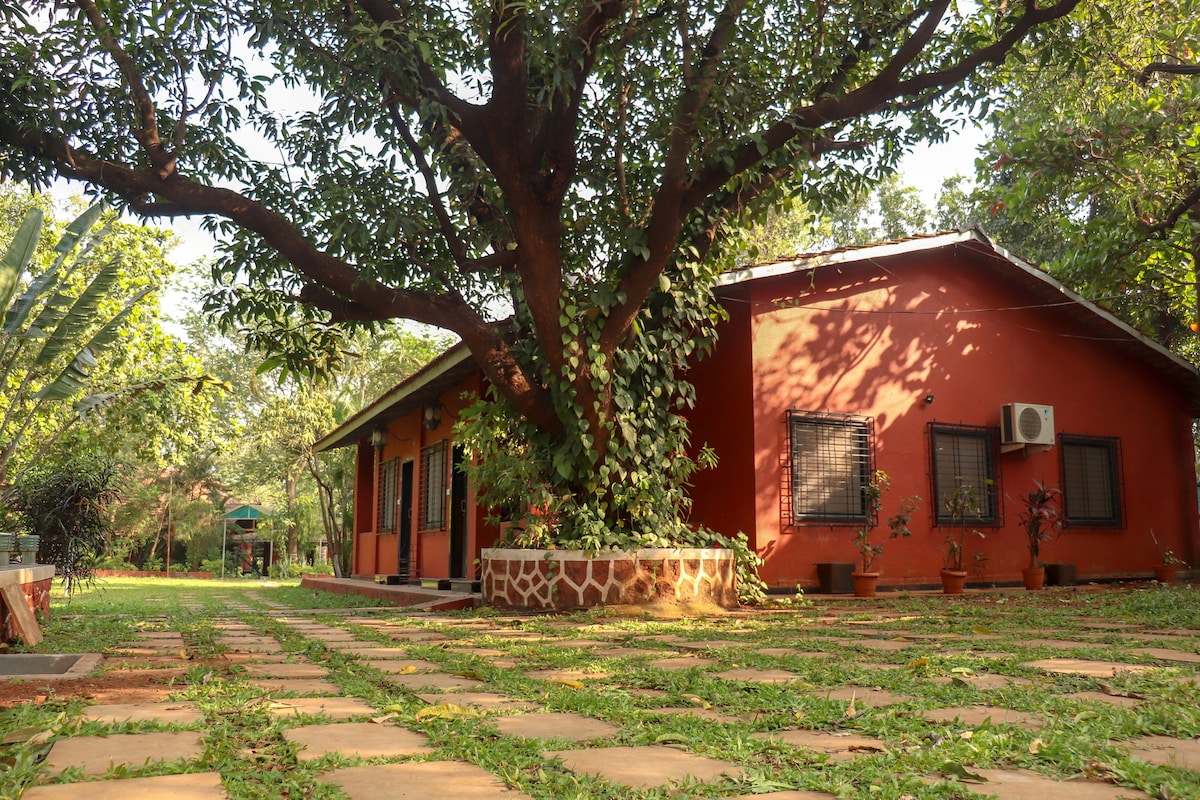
<point x="68" y="506"/>
<point x="579" y="161"/>
<point x="1094" y="167"/>
<point x="272" y="418"/>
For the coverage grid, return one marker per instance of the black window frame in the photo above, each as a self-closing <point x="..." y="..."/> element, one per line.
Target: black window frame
<point x="1110" y="446"/>
<point x="388" y="489"/>
<point x="992" y="515"/>
<point x="434" y="482"/>
<point x="796" y="491"/>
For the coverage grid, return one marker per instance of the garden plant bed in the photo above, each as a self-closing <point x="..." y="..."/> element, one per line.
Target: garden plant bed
<point x="567" y="580"/>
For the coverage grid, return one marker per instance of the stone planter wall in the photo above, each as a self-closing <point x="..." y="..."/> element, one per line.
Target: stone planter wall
<point x="565" y="580"/>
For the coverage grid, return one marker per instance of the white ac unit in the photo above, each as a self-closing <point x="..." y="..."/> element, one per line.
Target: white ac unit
<point x="1026" y="423"/>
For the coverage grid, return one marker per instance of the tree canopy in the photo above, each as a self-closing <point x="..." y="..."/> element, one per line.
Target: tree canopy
<point x="1094" y="167"/>
<point x="573" y="163"/>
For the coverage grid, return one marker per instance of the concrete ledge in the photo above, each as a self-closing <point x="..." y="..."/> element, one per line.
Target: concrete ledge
<point x="410" y="596"/>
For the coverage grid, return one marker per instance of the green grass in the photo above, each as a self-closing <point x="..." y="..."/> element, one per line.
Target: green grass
<point x="1080" y="738"/>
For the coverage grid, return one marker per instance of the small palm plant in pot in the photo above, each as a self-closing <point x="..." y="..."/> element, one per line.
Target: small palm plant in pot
<point x="1042" y="520"/>
<point x="961" y="506"/>
<point x="868" y="551"/>
<point x="1169" y="564"/>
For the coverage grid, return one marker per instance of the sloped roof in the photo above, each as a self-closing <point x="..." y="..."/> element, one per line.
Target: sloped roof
<point x="247" y="511"/>
<point x="418" y="389"/>
<point x="1040" y="284"/>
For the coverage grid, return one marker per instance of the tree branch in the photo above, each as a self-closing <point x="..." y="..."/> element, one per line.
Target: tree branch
<point x="1167" y="68"/>
<point x="146" y="127"/>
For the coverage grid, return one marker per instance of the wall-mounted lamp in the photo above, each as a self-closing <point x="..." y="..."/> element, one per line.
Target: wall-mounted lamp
<point x="433" y="416"/>
<point x="928" y="399"/>
<point x="379" y="438"/>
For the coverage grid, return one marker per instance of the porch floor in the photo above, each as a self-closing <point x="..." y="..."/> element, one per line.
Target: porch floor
<point x="407" y="595"/>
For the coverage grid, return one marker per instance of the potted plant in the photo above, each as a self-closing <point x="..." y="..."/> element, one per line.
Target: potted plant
<point x="961" y="506"/>
<point x="1042" y="521"/>
<point x="1169" y="563"/>
<point x="865" y="580"/>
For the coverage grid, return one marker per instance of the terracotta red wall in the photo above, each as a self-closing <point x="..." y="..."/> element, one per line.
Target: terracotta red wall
<point x="430" y="550"/>
<point x="873" y="341"/>
<point x="723" y="498"/>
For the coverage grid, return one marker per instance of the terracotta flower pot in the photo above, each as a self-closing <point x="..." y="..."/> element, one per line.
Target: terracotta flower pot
<point x="864" y="583"/>
<point x="1034" y="577"/>
<point x="953" y="581"/>
<point x="1165" y="573"/>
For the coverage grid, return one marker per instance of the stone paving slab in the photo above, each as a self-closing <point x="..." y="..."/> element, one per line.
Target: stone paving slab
<point x="758" y="675"/>
<point x="255" y="647"/>
<point x="403" y="666"/>
<point x="254" y="658"/>
<point x="192" y="786"/>
<point x="430" y="779"/>
<point x="643" y="767"/>
<point x="976" y="716"/>
<point x="555" y="725"/>
<point x="566" y="675"/>
<point x="1080" y="666"/>
<point x="360" y="739"/>
<point x="626" y="652"/>
<point x="1104" y="697"/>
<point x="297" y="685"/>
<point x="434" y="680"/>
<point x="1058" y="644"/>
<point x="983" y="682"/>
<point x="420" y="636"/>
<point x="838" y="746"/>
<point x="578" y="644"/>
<point x="286" y="671"/>
<point x="331" y="707"/>
<point x="1027" y="785"/>
<point x="864" y="695"/>
<point x="681" y="663"/>
<point x="1168" y="751"/>
<point x="792" y="653"/>
<point x="712" y="644"/>
<point x="156" y="635"/>
<point x="485" y="701"/>
<point x="360" y="650"/>
<point x="1167" y="654"/>
<point x="164" y="713"/>
<point x="96" y="755"/>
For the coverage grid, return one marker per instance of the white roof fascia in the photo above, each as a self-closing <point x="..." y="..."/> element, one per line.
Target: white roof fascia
<point x="415" y="382"/>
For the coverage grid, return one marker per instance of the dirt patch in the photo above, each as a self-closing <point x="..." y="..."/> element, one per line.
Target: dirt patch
<point x="124" y="687"/>
<point x="118" y="686"/>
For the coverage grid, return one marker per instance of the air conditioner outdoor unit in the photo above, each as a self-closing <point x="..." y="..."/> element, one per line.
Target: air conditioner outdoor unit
<point x="1026" y="423"/>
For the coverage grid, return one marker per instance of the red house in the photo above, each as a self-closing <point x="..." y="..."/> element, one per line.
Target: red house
<point x="900" y="357"/>
<point x="897" y="357"/>
<point x="415" y="517"/>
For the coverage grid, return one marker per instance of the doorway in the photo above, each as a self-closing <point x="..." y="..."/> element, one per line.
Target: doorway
<point x="405" y="522"/>
<point x="458" y="515"/>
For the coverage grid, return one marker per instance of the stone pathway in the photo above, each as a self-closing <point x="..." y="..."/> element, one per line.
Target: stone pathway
<point x="386" y="737"/>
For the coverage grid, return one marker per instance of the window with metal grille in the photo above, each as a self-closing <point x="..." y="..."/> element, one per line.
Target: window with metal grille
<point x="387" y="496"/>
<point x="433" y="487"/>
<point x="831" y="461"/>
<point x="964" y="461"/>
<point x="1091" y="477"/>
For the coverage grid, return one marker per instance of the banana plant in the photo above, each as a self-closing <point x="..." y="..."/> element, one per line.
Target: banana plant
<point x="53" y="332"/>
